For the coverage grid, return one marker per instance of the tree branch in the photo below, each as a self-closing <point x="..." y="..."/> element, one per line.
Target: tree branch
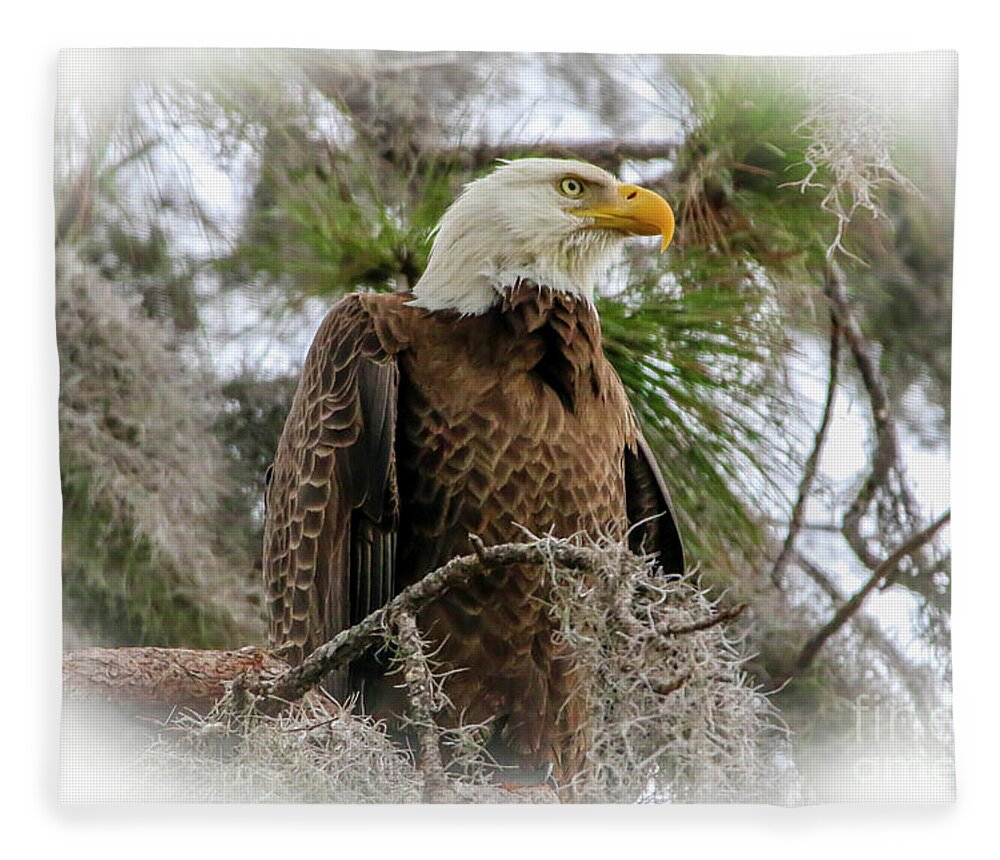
<point x="157" y="679"/>
<point x="154" y="680"/>
<point x="884" y="572"/>
<point x="421" y="704"/>
<point x="886" y="457"/>
<point x="921" y="687"/>
<point x="887" y="473"/>
<point x="351" y="643"/>
<point x="811" y="464"/>
<point x="721" y="617"/>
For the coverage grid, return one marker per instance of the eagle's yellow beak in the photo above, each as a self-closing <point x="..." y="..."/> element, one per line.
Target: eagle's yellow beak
<point x="637" y="211"/>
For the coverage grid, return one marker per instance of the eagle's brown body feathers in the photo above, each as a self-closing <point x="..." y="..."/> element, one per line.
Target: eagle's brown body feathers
<point x="412" y="429"/>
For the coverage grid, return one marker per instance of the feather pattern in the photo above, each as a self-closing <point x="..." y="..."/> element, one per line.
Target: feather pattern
<point x="332" y="501"/>
<point x="412" y="429"/>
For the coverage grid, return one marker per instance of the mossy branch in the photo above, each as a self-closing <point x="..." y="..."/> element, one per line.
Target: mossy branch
<point x="197" y="678"/>
<point x="660" y="688"/>
<point x="351" y="643"/>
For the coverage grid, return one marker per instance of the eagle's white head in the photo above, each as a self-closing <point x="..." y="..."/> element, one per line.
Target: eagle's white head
<point x="556" y="222"/>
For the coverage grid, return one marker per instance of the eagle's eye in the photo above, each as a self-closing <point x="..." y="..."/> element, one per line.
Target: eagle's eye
<point x="571" y="187"/>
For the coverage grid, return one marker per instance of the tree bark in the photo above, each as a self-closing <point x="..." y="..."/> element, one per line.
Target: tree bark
<point x="153" y="681"/>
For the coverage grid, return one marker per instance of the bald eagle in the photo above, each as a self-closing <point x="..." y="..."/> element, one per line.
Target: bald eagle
<point x="478" y="403"/>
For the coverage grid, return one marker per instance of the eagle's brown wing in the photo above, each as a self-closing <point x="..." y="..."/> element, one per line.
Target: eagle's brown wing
<point x="653" y="528"/>
<point x="331" y="502"/>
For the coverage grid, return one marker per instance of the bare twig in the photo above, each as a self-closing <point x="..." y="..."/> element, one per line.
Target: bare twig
<point x="705" y="624"/>
<point x="884" y="572"/>
<point x="811" y="464"/>
<point x="887" y="456"/>
<point x="920" y="687"/>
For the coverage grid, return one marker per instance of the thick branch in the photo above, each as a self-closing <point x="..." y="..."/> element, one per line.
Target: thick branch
<point x="883" y="573"/>
<point x="154" y="680"/>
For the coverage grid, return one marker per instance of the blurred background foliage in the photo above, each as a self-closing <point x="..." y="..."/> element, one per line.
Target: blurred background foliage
<point x="212" y="204"/>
